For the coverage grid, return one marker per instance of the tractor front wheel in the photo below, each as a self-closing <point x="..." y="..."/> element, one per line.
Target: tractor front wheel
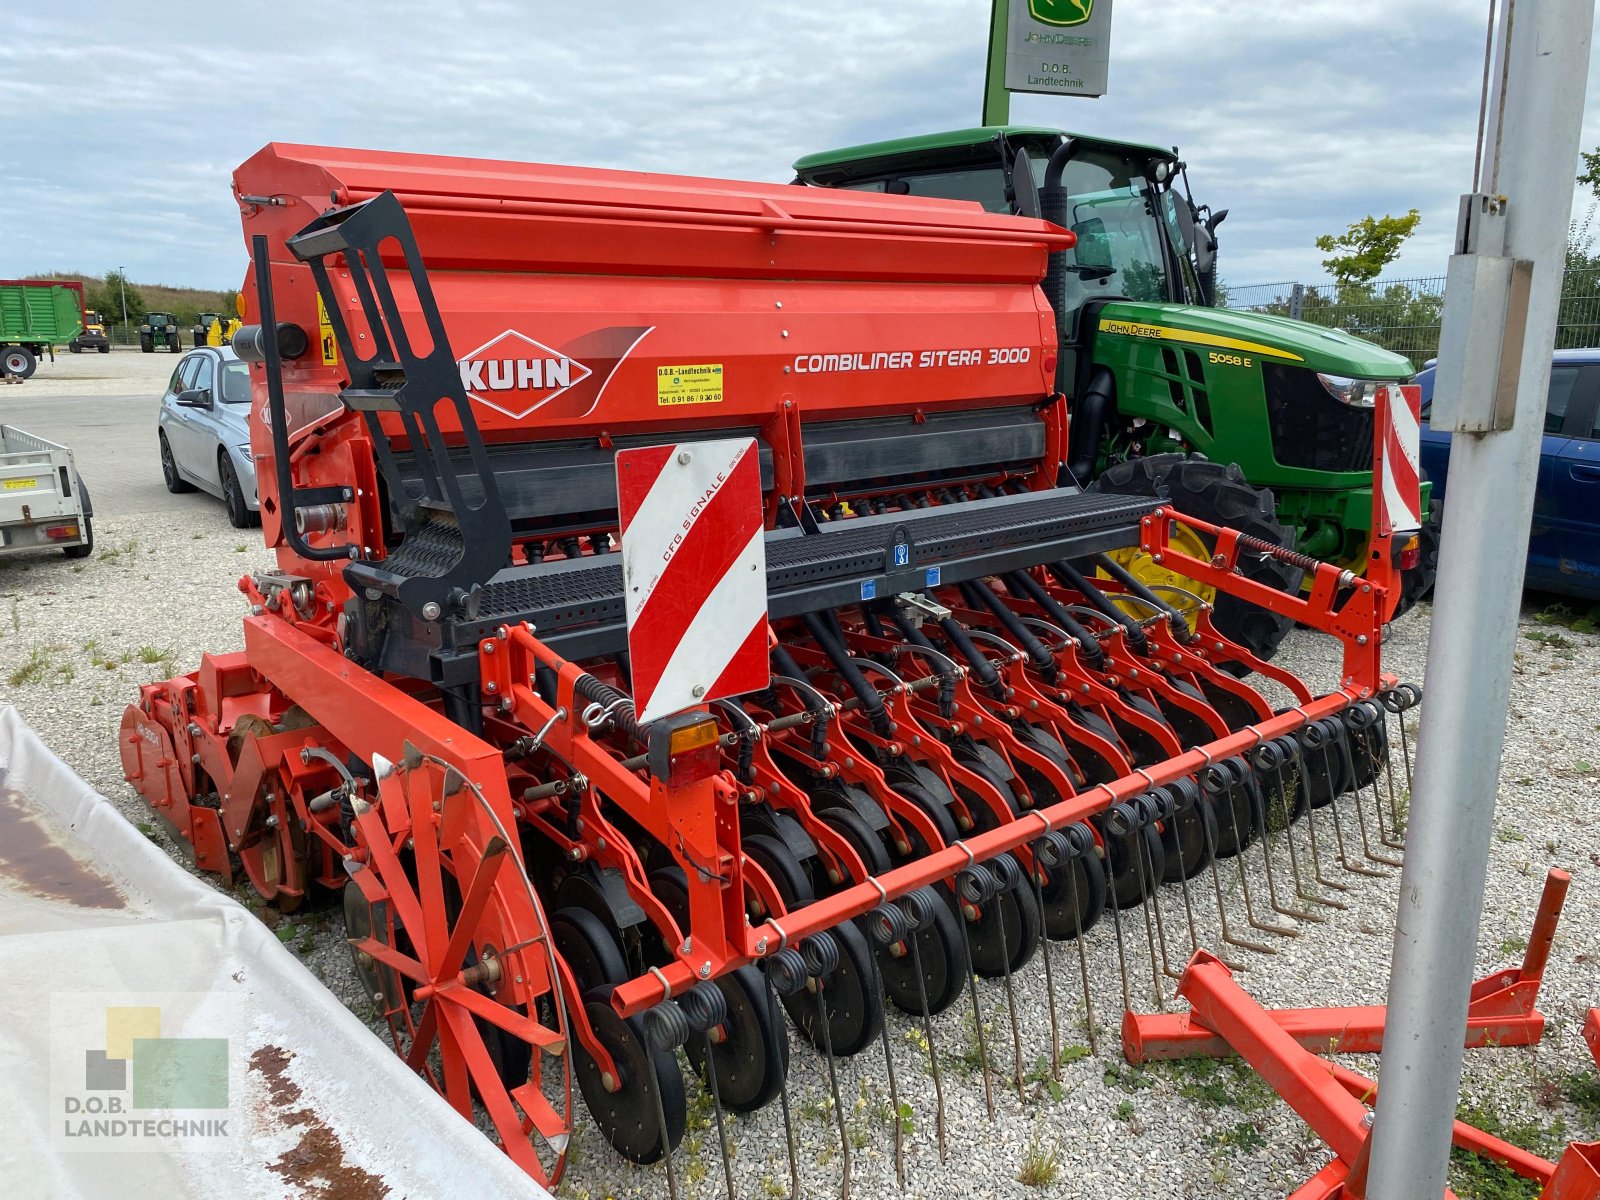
<point x="1219" y="494"/>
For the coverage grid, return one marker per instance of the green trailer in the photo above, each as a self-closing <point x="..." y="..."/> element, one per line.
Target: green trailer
<point x="36" y="315"/>
<point x="1158" y="377"/>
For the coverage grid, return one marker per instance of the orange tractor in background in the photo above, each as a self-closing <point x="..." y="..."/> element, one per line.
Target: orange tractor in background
<point x="973" y="733"/>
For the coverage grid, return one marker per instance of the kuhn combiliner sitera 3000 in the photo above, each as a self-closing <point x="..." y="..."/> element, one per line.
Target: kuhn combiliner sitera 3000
<point x="686" y="629"/>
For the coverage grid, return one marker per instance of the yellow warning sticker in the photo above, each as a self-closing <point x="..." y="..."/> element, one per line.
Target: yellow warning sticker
<point x="695" y="383"/>
<point x="330" y="347"/>
<point x="21" y="485"/>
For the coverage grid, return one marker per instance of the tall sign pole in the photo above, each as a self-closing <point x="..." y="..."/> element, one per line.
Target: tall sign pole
<point x="1052" y="47"/>
<point x="1505" y="276"/>
<point x="996" y="99"/>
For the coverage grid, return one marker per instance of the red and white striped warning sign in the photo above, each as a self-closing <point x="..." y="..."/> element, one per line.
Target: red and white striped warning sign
<point x="694" y="572"/>
<point x="1398" y="452"/>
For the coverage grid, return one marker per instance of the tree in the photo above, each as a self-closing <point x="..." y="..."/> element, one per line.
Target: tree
<point x="1359" y="254"/>
<point x="107" y="298"/>
<point x="1590" y="175"/>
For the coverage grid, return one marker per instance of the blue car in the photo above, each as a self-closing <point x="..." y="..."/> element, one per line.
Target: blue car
<point x="1564" y="545"/>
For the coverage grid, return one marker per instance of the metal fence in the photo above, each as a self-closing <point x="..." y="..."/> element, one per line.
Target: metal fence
<point x="1403" y="314"/>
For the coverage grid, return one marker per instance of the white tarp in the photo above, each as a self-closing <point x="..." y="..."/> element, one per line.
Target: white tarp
<point x="159" y="1041"/>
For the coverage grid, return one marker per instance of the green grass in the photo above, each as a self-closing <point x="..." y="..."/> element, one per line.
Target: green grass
<point x="1513" y="945"/>
<point x="1206" y="1083"/>
<point x="1129" y="1079"/>
<point x="1124" y="1111"/>
<point x="1246" y="1136"/>
<point x="32" y="669"/>
<point x="1552" y="641"/>
<point x="150" y="654"/>
<point x="1583" y="1089"/>
<point x="1564" y="616"/>
<point x="1475" y="1178"/>
<point x="1041" y="1165"/>
<point x="1043" y="1078"/>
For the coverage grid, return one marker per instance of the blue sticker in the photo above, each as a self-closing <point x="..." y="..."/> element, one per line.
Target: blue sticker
<point x="932" y="576"/>
<point x="902" y="554"/>
<point x="869" y="589"/>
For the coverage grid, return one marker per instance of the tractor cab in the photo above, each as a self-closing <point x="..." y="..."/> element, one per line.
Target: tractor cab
<point x="1138" y="237"/>
<point x="1154" y="371"/>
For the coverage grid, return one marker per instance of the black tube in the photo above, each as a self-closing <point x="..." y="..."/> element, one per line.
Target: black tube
<point x="1088" y="645"/>
<point x="982" y="669"/>
<point x="1073" y="578"/>
<point x="1121" y="574"/>
<point x="1054" y="207"/>
<point x="871" y="702"/>
<point x="1088" y="427"/>
<point x="1037" y="650"/>
<point x="913" y="634"/>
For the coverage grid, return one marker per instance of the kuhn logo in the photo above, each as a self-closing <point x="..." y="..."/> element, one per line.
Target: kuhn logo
<point x="515" y="375"/>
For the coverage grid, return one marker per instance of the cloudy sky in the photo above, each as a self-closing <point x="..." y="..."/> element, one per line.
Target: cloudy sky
<point x="123" y="123"/>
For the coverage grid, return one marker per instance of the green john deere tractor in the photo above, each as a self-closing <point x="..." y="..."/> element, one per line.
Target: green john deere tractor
<point x="159" y="331"/>
<point x="1250" y="420"/>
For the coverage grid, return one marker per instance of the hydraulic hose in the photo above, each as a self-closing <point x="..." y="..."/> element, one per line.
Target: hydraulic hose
<point x="871" y="702"/>
<point x="1088" y="645"/>
<point x="1068" y="574"/>
<point x="979" y="594"/>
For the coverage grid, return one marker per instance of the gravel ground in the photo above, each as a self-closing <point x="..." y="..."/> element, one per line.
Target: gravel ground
<point x="76" y="640"/>
<point x="119" y="373"/>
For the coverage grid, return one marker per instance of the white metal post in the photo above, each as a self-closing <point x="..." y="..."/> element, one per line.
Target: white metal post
<point x="1533" y="127"/>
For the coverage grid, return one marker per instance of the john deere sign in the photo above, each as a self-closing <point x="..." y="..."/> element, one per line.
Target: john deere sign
<point x="1058" y="47"/>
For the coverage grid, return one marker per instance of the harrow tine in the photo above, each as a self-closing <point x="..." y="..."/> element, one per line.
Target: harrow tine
<point x="890" y="925"/>
<point x="1163" y="808"/>
<point x="667" y="1028"/>
<point x="1228" y="776"/>
<point x="706" y="1008"/>
<point x="1183" y="797"/>
<point x="1122" y="953"/>
<point x="1354" y="868"/>
<point x="1216" y="887"/>
<point x="821" y="958"/>
<point x="1309" y="739"/>
<point x="916" y="904"/>
<point x="1348" y="753"/>
<point x="1413" y="695"/>
<point x="1147" y="887"/>
<point x="786" y="975"/>
<point x="1397" y="700"/>
<point x="1376" y="736"/>
<point x="1269" y="758"/>
<point x="1261" y="923"/>
<point x="1393" y="843"/>
<point x="1007" y="873"/>
<point x="1289" y="754"/>
<point x="1050" y="847"/>
<point x="1388" y="775"/>
<point x="1084" y="847"/>
<point x="972" y="989"/>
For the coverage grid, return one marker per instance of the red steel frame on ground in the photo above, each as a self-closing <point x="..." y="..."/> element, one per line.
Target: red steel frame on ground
<point x="1335" y="1102"/>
